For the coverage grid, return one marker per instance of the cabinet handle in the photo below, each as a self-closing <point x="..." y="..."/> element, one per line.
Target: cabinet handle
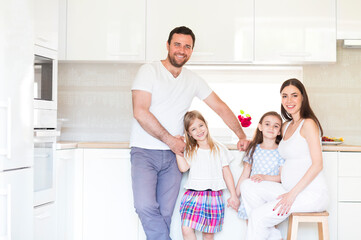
<point x="7" y="194"/>
<point x="41" y="156"/>
<point x="124" y="54"/>
<point x="203" y="54"/>
<point x="43" y="216"/>
<point x="295" y="54"/>
<point x="7" y="152"/>
<point x="41" y="39"/>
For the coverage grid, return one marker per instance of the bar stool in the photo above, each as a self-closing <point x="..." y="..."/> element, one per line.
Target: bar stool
<point x="320" y="217"/>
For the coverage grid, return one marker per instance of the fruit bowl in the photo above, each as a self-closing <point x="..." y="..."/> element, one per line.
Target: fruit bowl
<point x="331" y="140"/>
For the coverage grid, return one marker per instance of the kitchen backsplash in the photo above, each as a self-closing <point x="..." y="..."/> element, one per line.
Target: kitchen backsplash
<point x="95" y="101"/>
<point x="335" y="94"/>
<point x="95" y="98"/>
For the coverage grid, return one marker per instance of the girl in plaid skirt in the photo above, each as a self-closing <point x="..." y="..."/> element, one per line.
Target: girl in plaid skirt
<point x="202" y="205"/>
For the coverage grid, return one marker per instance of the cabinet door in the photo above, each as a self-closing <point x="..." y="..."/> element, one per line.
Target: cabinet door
<point x="69" y="193"/>
<point x="295" y="31"/>
<point x="108" y="197"/>
<point x="223" y="29"/>
<point x="45" y="222"/>
<point x="46" y="15"/>
<point x="348" y="19"/>
<point x="105" y="30"/>
<point x="349" y="221"/>
<point x="330" y="163"/>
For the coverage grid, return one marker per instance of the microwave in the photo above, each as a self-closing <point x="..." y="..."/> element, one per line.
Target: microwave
<point x="45" y="88"/>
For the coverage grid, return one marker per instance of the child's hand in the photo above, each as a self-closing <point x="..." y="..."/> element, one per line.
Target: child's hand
<point x="233" y="202"/>
<point x="257" y="178"/>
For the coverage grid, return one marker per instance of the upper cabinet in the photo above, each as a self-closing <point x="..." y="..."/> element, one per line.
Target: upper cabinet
<point x="223" y="29"/>
<point x="233" y="31"/>
<point x="295" y="31"/>
<point x="46" y="21"/>
<point x="348" y="19"/>
<point x="105" y="30"/>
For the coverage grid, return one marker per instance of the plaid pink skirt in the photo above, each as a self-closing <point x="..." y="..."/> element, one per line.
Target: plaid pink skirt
<point x="203" y="210"/>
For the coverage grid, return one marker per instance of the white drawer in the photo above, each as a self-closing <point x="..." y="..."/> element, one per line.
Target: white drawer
<point x="349" y="221"/>
<point x="45" y="222"/>
<point x="349" y="189"/>
<point x="349" y="164"/>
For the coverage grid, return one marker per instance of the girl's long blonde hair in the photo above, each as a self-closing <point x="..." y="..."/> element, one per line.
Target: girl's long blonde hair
<point x="258" y="136"/>
<point x="191" y="143"/>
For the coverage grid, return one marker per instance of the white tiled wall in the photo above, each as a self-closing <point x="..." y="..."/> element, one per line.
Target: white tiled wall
<point x="95" y="99"/>
<point x="335" y="94"/>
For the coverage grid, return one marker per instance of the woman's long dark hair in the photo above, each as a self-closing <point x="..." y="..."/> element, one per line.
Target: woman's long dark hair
<point x="305" y="111"/>
<point x="258" y="136"/>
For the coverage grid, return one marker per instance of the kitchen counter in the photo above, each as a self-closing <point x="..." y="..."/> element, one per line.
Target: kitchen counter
<point x="124" y="145"/>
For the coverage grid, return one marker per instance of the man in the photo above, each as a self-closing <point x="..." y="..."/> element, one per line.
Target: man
<point x="162" y="93"/>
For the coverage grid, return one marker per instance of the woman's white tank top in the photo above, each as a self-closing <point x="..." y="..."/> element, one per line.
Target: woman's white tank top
<point x="297" y="157"/>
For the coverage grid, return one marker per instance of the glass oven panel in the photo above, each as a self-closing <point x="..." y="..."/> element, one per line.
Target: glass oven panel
<point x="43" y="166"/>
<point x="43" y="78"/>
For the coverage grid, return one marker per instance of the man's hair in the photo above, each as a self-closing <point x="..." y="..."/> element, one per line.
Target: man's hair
<point x="182" y="30"/>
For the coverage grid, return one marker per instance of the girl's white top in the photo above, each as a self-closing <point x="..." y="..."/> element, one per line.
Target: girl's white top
<point x="297" y="157"/>
<point x="206" y="169"/>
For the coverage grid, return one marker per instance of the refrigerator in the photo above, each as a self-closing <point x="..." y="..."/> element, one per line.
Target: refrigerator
<point x="16" y="119"/>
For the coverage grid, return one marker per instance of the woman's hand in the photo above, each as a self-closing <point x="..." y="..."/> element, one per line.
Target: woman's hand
<point x="285" y="203"/>
<point x="258" y="178"/>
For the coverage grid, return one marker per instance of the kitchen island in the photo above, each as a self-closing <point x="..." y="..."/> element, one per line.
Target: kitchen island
<point x="104" y="204"/>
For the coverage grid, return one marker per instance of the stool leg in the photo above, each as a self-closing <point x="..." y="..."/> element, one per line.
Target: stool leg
<point x="289" y="231"/>
<point x="292" y="228"/>
<point x="320" y="230"/>
<point x="325" y="230"/>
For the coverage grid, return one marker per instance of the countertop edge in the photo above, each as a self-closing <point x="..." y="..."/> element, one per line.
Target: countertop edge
<point x="125" y="145"/>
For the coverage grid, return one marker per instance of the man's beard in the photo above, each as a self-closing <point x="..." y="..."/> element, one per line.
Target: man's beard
<point x="174" y="62"/>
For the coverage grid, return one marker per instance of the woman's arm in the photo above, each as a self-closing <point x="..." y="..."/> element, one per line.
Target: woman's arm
<point x="310" y="132"/>
<point x="183" y="166"/>
<point x="245" y="174"/>
<point x="233" y="201"/>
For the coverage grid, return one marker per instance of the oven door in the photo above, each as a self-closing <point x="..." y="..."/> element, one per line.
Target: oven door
<point x="44" y="166"/>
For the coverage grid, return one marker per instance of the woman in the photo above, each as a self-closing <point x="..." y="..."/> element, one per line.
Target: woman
<point x="303" y="188"/>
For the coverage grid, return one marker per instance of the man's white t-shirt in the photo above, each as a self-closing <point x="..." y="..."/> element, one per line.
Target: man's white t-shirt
<point x="171" y="99"/>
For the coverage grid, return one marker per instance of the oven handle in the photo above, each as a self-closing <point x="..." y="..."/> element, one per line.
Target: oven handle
<point x="46" y="133"/>
<point x="7" y="151"/>
<point x="7" y="193"/>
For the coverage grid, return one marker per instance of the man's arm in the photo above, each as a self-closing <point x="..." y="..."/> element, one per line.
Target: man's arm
<point x="141" y="104"/>
<point x="218" y="106"/>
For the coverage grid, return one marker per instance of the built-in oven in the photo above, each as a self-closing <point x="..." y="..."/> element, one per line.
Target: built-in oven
<point x="44" y="166"/>
<point x="45" y="120"/>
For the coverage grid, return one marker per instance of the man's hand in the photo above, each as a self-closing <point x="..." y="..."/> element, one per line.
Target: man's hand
<point x="177" y="145"/>
<point x="242" y="144"/>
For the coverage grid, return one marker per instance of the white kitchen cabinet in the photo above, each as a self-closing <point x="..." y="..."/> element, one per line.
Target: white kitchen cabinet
<point x="349" y="221"/>
<point x="108" y="211"/>
<point x="349" y="197"/>
<point x="45" y="222"/>
<point x="46" y="21"/>
<point x="348" y="19"/>
<point x="223" y="29"/>
<point x="69" y="193"/>
<point x="295" y="31"/>
<point x="330" y="166"/>
<point x="105" y="30"/>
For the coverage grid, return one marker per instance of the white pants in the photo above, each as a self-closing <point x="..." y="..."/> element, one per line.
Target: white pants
<point x="261" y="198"/>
